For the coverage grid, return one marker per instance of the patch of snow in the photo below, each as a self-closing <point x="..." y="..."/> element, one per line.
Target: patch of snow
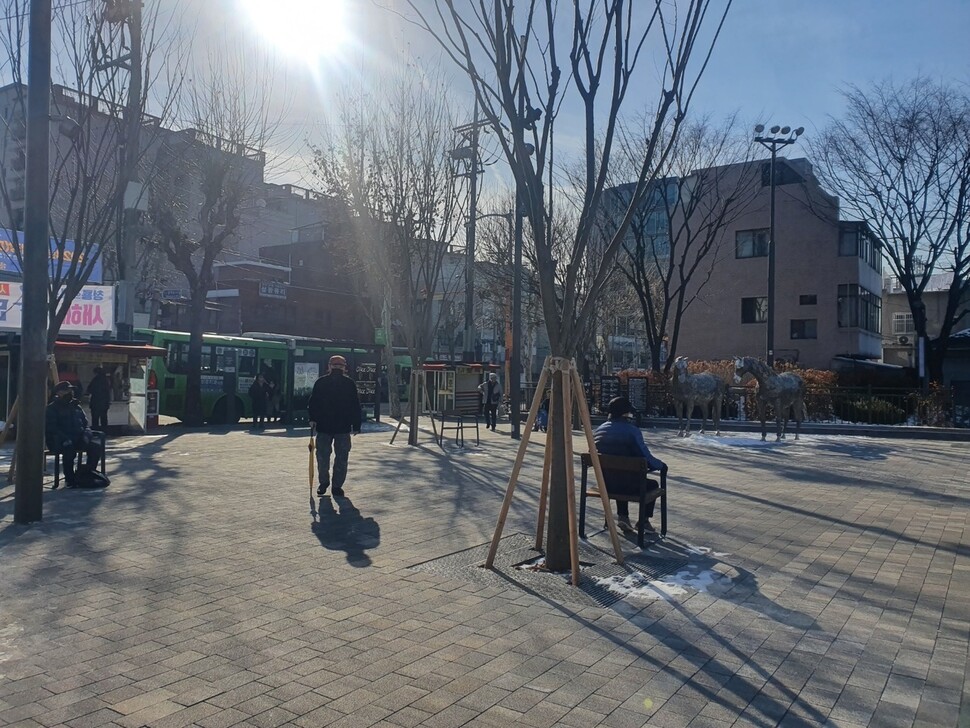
<point x="691" y="579"/>
<point x="739" y="439"/>
<point x="539" y="562"/>
<point x="704" y="551"/>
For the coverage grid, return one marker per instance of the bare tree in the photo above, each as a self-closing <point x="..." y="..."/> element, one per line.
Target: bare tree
<point x="389" y="163"/>
<point x="899" y="159"/>
<point x="673" y="240"/>
<point x="87" y="108"/>
<point x="207" y="178"/>
<point x="514" y="56"/>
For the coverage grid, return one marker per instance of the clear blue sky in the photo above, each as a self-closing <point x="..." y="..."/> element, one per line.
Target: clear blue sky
<point x="787" y="60"/>
<point x="778" y="61"/>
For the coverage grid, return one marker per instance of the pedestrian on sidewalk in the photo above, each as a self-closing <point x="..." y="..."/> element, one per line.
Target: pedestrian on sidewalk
<point x="99" y="399"/>
<point x="492" y="397"/>
<point x="619" y="436"/>
<point x="259" y="396"/>
<point x="334" y="408"/>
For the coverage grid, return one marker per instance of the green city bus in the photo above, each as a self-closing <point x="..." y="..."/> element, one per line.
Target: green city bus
<point x="230" y="365"/>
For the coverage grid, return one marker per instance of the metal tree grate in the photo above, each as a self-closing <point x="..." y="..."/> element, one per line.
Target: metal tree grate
<point x="657" y="560"/>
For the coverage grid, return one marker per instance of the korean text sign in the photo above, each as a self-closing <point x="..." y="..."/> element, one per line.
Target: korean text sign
<point x="91" y="312"/>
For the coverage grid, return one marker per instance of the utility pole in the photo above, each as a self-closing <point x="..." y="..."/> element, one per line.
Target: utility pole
<point x="468" y="152"/>
<point x="32" y="395"/>
<point x="130" y="191"/>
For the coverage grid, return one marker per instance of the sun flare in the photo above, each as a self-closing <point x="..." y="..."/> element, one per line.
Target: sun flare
<point x="311" y="30"/>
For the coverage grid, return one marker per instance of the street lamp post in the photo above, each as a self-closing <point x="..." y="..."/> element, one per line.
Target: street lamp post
<point x="779" y="137"/>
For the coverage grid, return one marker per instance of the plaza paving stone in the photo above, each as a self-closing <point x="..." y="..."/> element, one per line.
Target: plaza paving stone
<point x="198" y="590"/>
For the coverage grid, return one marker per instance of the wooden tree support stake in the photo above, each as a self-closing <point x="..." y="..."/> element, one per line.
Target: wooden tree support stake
<point x="571" y="387"/>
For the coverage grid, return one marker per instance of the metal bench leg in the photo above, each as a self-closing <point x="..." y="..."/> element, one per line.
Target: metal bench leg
<point x="663" y="504"/>
<point x="643" y="518"/>
<point x="582" y="501"/>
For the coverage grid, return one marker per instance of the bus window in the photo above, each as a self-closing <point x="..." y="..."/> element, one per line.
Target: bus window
<point x="247" y="362"/>
<point x="206" y="359"/>
<point x="225" y="359"/>
<point x="177" y="361"/>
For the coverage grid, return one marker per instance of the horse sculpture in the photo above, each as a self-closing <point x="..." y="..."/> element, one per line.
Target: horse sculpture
<point x="701" y="389"/>
<point x="782" y="391"/>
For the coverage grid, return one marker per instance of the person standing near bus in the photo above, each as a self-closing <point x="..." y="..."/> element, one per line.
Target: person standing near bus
<point x="334" y="409"/>
<point x="99" y="399"/>
<point x="259" y="395"/>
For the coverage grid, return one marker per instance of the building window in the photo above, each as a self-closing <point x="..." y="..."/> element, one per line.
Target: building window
<point x="808" y="300"/>
<point x="855" y="239"/>
<point x="751" y="243"/>
<point x="754" y="310"/>
<point x="804" y="328"/>
<point x="859" y="308"/>
<point x="903" y="324"/>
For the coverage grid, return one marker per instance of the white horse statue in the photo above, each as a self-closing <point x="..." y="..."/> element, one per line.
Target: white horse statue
<point x="782" y="391"/>
<point x="700" y="389"/>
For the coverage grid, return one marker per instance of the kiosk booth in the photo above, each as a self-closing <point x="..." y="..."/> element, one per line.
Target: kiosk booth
<point x="453" y="386"/>
<point x="127" y="365"/>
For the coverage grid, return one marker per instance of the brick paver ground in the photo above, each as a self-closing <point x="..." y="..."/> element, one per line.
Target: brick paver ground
<point x="197" y="591"/>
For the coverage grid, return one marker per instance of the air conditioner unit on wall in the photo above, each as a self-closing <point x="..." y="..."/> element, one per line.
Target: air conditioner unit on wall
<point x="903" y="340"/>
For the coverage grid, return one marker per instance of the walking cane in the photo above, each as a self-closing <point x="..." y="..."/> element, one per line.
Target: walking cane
<point x="311" y="447"/>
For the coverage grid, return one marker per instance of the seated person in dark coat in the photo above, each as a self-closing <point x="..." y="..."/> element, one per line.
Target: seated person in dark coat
<point x="67" y="432"/>
<point x="619" y="436"/>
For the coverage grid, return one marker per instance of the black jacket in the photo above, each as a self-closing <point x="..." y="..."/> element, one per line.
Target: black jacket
<point x="64" y="425"/>
<point x="100" y="390"/>
<point x="334" y="404"/>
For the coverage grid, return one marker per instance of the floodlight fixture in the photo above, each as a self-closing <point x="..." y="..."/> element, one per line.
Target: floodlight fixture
<point x="759" y="128"/>
<point x="786" y="130"/>
<point x="799" y="131"/>
<point x="775" y="129"/>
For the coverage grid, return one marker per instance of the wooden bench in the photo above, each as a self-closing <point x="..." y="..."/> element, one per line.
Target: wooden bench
<point x="57" y="458"/>
<point x="466" y="409"/>
<point x="641" y="490"/>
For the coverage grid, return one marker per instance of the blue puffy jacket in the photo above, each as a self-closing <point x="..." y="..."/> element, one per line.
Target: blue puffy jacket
<point x="622" y="437"/>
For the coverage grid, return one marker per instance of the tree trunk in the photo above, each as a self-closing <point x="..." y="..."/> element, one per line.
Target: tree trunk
<point x="193" y="382"/>
<point x="557" y="534"/>
<point x="393" y="379"/>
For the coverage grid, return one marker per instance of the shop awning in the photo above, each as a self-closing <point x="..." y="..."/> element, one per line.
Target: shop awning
<point x="132" y="349"/>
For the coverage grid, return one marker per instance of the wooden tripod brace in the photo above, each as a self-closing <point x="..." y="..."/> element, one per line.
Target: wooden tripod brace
<point x="571" y="386"/>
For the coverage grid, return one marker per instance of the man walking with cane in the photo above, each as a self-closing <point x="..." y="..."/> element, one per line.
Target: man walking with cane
<point x="334" y="410"/>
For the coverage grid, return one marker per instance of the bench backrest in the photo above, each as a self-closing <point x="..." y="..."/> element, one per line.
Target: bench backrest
<point x="468" y="403"/>
<point x="620" y="463"/>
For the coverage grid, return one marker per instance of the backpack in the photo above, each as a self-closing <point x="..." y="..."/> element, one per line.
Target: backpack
<point x="88" y="477"/>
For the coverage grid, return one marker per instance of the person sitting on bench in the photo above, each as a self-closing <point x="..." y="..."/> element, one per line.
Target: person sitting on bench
<point x="619" y="436"/>
<point x="67" y="433"/>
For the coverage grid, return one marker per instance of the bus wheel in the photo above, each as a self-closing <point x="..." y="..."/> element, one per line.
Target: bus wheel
<point x="220" y="412"/>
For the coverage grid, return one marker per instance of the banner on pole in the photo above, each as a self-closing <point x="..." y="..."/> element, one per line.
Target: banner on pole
<point x="91" y="312"/>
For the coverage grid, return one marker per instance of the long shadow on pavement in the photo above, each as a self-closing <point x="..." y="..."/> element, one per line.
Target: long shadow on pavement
<point x="958" y="550"/>
<point x="343" y="528"/>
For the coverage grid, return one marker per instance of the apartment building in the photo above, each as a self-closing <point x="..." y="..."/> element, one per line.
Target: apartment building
<point x="828" y="280"/>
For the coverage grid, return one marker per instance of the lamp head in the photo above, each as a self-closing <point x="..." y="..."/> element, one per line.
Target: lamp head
<point x="785" y="129"/>
<point x="758" y="128"/>
<point x="775" y="129"/>
<point x="799" y="131"/>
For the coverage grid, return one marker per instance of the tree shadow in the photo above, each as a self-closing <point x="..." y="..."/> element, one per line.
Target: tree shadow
<point x="344" y="529"/>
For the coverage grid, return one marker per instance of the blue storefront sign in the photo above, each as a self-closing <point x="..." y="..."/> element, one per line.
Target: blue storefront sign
<point x="10" y="265"/>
